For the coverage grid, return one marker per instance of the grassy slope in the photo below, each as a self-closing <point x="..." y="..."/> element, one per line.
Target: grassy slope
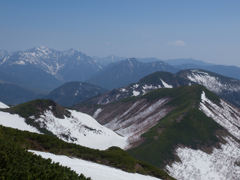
<point x="186" y="125"/>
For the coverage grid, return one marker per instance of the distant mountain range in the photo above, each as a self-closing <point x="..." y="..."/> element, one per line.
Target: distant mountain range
<point x="45" y="68"/>
<point x="122" y="73"/>
<point x="40" y="70"/>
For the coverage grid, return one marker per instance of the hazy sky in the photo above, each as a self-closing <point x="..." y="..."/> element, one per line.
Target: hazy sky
<point x="207" y="30"/>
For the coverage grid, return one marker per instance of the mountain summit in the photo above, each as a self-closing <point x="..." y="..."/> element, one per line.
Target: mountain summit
<point x="45" y="68"/>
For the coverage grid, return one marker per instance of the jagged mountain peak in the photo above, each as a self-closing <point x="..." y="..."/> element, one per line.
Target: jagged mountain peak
<point x="41" y="48"/>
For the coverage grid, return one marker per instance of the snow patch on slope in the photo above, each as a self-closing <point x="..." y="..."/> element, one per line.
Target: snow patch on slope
<point x="226" y="116"/>
<point x="3" y="106"/>
<point x="81" y="129"/>
<point x="165" y="84"/>
<point x="198" y="165"/>
<point x="136" y="93"/>
<point x="97" y="113"/>
<point x="93" y="170"/>
<point x="212" y="83"/>
<point x="15" y="121"/>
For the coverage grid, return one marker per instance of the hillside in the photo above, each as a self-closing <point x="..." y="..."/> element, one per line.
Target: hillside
<point x="165" y="124"/>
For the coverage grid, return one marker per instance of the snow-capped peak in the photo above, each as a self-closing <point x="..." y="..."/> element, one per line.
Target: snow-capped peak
<point x="41" y="48"/>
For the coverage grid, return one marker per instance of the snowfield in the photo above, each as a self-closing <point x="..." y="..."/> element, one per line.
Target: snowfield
<point x="15" y="121"/>
<point x="198" y="165"/>
<point x="93" y="170"/>
<point x="82" y="129"/>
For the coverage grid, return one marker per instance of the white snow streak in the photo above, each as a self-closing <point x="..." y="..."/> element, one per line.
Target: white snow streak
<point x="165" y="84"/>
<point x="76" y="93"/>
<point x="97" y="113"/>
<point x="127" y="124"/>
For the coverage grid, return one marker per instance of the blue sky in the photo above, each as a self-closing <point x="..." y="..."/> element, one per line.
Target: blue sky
<point x="206" y="30"/>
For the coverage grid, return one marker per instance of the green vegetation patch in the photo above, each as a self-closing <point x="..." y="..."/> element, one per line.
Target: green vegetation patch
<point x="17" y="163"/>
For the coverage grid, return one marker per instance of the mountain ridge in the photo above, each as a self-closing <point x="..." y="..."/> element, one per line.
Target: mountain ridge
<point x="56" y="67"/>
<point x="125" y="72"/>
